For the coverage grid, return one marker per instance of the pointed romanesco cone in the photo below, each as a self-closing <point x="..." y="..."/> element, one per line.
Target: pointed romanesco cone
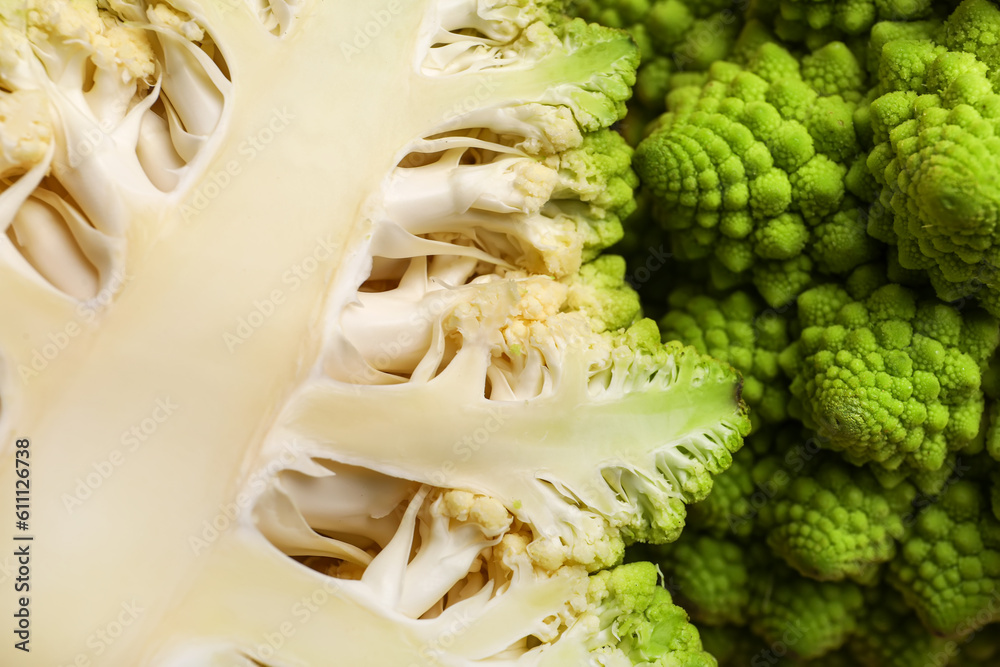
<point x="886" y="377"/>
<point x="936" y="129"/>
<point x="748" y="167"/>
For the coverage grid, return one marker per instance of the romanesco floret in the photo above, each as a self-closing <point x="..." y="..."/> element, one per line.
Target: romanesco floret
<point x="888" y="377"/>
<point x="595" y="187"/>
<point x="770" y="459"/>
<point x="600" y="290"/>
<point x="815" y="19"/>
<point x="929" y="483"/>
<point x="637" y="622"/>
<point x="747" y="168"/>
<point x="814" y="617"/>
<point x="889" y="634"/>
<point x="936" y="147"/>
<point x="948" y="569"/>
<point x="710" y="576"/>
<point x="837" y="522"/>
<point x="728" y="509"/>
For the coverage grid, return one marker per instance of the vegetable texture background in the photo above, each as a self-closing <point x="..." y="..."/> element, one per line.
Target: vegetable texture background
<point x="819" y="209"/>
<point x="405" y="334"/>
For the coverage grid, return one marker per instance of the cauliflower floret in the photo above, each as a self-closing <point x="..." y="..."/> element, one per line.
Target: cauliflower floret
<point x="488" y="513"/>
<point x="26" y="131"/>
<point x="79" y="24"/>
<point x="165" y="16"/>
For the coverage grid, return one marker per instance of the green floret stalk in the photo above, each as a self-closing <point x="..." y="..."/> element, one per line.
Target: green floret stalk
<point x="639" y="488"/>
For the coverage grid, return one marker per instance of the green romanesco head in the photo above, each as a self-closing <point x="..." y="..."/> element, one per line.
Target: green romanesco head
<point x="887" y="377"/>
<point x="974" y="27"/>
<point x="797" y="20"/>
<point x="741" y="331"/>
<point x="837" y="522"/>
<point x="811" y="617"/>
<point x="747" y="168"/>
<point x="936" y="129"/>
<point x="889" y="634"/>
<point x="948" y="569"/>
<point x="710" y="577"/>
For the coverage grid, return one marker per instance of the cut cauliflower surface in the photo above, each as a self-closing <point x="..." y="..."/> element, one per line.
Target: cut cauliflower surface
<point x="306" y="322"/>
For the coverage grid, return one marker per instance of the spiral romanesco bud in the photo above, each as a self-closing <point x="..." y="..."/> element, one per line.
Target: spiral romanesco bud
<point x="748" y="167"/>
<point x="887" y="377"/>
